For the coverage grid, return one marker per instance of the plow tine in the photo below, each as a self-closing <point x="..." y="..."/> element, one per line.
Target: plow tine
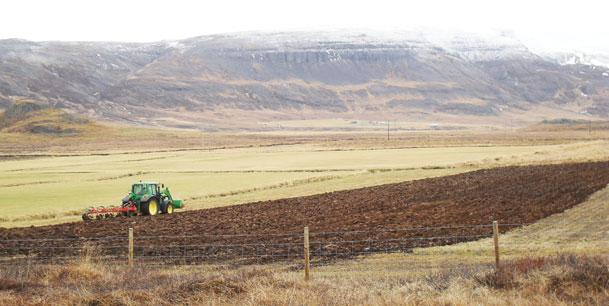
<point x="106" y="212"/>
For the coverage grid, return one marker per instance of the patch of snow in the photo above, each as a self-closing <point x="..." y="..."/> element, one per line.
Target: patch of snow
<point x="577" y="57"/>
<point x="175" y="45"/>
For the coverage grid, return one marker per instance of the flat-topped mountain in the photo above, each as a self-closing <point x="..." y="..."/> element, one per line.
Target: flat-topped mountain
<point x="240" y="80"/>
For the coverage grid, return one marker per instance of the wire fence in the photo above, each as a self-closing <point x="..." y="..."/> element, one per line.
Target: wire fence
<point x="361" y="250"/>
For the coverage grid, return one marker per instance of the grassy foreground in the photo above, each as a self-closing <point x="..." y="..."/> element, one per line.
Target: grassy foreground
<point x="560" y="280"/>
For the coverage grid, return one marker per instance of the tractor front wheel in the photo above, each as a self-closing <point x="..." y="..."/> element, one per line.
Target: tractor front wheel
<point x="169" y="209"/>
<point x="150" y="208"/>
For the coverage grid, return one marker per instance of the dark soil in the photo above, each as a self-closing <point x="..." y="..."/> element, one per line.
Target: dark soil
<point x="342" y="224"/>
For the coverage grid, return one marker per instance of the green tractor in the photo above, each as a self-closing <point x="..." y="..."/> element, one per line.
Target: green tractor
<point x="145" y="198"/>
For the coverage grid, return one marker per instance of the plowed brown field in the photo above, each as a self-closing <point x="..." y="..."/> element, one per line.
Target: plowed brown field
<point x="342" y="223"/>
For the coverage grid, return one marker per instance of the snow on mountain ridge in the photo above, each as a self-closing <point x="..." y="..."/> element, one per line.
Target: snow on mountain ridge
<point x="474" y="47"/>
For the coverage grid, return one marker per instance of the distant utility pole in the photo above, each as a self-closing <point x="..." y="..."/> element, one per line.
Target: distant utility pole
<point x="202" y="140"/>
<point x="387" y="129"/>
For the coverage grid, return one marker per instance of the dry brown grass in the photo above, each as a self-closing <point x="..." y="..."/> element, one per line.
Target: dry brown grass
<point x="560" y="280"/>
<point x="567" y="278"/>
<point x="111" y="138"/>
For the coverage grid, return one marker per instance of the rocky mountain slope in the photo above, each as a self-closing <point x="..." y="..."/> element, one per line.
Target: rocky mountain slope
<point x="239" y="80"/>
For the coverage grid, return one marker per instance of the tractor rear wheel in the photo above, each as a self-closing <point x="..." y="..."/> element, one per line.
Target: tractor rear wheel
<point x="150" y="208"/>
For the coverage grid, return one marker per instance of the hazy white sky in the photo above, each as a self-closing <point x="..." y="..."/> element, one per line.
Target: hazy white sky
<point x="540" y="24"/>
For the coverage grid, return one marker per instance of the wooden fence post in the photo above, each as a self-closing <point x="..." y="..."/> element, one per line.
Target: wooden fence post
<point x="496" y="241"/>
<point x="27" y="271"/>
<point x="131" y="247"/>
<point x="306" y="253"/>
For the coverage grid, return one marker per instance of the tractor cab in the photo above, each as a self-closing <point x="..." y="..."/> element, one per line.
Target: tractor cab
<point x="144" y="188"/>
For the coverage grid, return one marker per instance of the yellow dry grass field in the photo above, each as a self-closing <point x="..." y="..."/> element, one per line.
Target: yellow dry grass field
<point x="56" y="189"/>
<point x="103" y="137"/>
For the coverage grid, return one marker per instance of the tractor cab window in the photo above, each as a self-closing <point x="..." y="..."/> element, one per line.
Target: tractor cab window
<point x="139" y="189"/>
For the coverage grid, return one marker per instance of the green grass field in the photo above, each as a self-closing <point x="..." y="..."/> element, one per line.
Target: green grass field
<point x="56" y="189"/>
